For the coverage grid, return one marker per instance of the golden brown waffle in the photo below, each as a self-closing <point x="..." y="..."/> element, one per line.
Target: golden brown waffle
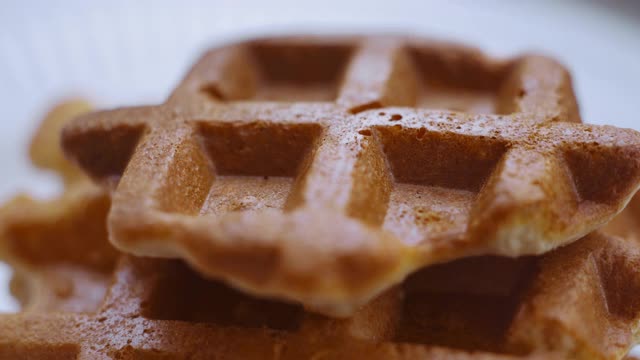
<point x="250" y="180"/>
<point x="578" y="302"/>
<point x="267" y="167"/>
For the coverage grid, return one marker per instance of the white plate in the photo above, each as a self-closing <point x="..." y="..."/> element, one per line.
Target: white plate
<point x="125" y="52"/>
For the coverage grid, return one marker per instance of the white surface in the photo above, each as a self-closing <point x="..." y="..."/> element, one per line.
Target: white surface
<point x="125" y="52"/>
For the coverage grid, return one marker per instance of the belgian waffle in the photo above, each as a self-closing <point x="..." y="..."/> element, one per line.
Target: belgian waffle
<point x="84" y="300"/>
<point x="325" y="170"/>
<point x="569" y="304"/>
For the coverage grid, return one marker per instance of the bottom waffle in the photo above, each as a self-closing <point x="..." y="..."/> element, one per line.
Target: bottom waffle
<point x="83" y="300"/>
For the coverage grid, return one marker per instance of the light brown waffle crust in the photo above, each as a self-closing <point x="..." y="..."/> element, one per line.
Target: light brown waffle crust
<point x="286" y="168"/>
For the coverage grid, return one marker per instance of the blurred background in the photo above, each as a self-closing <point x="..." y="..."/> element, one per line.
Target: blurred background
<point x="125" y="52"/>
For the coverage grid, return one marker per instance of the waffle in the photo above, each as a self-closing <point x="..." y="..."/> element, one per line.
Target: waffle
<point x="84" y="300"/>
<point x="286" y="168"/>
<point x="44" y="150"/>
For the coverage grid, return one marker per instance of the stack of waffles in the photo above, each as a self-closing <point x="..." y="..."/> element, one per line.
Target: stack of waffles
<point x="332" y="198"/>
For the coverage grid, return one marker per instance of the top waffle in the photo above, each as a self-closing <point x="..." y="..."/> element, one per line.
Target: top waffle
<point x="288" y="168"/>
<point x="82" y="300"/>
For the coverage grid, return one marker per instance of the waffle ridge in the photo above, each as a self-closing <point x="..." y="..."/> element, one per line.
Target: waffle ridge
<point x="311" y="169"/>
